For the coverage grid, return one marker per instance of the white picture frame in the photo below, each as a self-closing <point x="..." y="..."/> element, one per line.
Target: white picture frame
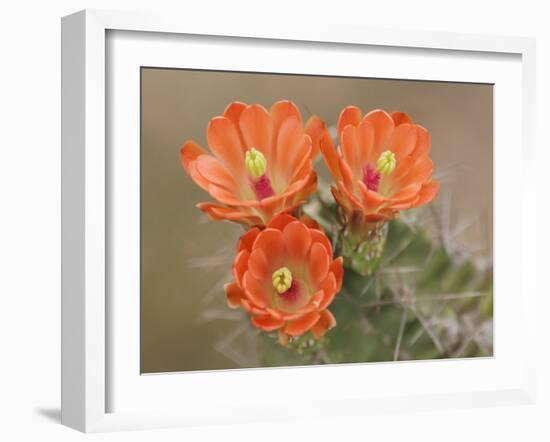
<point x="92" y="323"/>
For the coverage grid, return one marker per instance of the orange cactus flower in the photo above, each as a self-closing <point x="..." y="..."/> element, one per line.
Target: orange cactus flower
<point x="285" y="278"/>
<point x="382" y="165"/>
<point x="261" y="163"/>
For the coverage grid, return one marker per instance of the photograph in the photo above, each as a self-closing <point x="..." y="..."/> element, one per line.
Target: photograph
<point x="303" y="220"/>
<point x="291" y="221"/>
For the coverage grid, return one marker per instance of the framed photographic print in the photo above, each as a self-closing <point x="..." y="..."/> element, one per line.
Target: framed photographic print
<point x="265" y="223"/>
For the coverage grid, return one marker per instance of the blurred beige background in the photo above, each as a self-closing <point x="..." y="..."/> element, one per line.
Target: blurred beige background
<point x="186" y="259"/>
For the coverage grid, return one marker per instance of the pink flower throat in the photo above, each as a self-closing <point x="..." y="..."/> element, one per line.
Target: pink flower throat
<point x="291" y="295"/>
<point x="371" y="177"/>
<point x="262" y="187"/>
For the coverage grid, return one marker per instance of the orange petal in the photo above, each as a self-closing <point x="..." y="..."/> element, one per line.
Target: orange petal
<point x="271" y="242"/>
<point x="347" y="173"/>
<point x="329" y="155"/>
<point x="254" y="290"/>
<point x="271" y="206"/>
<point x="318" y="236"/>
<point x="329" y="289"/>
<point x="190" y="151"/>
<point x="280" y="111"/>
<point x="402" y="168"/>
<point x="214" y="171"/>
<point x="240" y="265"/>
<point x="234" y="295"/>
<point x="300" y="312"/>
<point x="225" y="196"/>
<point x="423" y="142"/>
<point x="272" y="202"/>
<point x="354" y="201"/>
<point x="303" y="169"/>
<point x="266" y="322"/>
<point x="382" y="215"/>
<point x="280" y="221"/>
<point x="301" y="325"/>
<point x="255" y="126"/>
<point x="237" y="216"/>
<point x="315" y="301"/>
<point x="325" y="322"/>
<point x="403" y="141"/>
<point x="299" y="190"/>
<point x="283" y="109"/>
<point x="402" y="205"/>
<point x="400" y="118"/>
<point x="365" y="136"/>
<point x="427" y="193"/>
<point x="289" y="140"/>
<point x="420" y="172"/>
<point x="312" y="305"/>
<point x="316" y="129"/>
<point x="300" y="163"/>
<point x="310" y="222"/>
<point x="297" y="240"/>
<point x="319" y="262"/>
<point x="258" y="265"/>
<point x="340" y="199"/>
<point x="224" y="141"/>
<point x="349" y="144"/>
<point x="196" y="176"/>
<point x="233" y="112"/>
<point x="298" y="185"/>
<point x="349" y="115"/>
<point x="371" y="199"/>
<point x="292" y="206"/>
<point x="383" y="128"/>
<point x="337" y="268"/>
<point x="245" y="241"/>
<point x="208" y="209"/>
<point x="217" y="213"/>
<point x="275" y="313"/>
<point x="309" y="186"/>
<point x="250" y="308"/>
<point x="405" y="194"/>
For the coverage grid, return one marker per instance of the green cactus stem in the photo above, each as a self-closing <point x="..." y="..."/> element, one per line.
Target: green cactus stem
<point x="362" y="245"/>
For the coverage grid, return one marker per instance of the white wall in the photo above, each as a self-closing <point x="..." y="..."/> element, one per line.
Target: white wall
<point x="30" y="220"/>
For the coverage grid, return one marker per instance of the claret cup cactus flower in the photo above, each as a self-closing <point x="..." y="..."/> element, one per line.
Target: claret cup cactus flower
<point x="286" y="278"/>
<point x="261" y="162"/>
<point x="381" y="167"/>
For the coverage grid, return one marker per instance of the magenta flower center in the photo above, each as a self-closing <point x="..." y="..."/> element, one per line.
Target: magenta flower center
<point x="371" y="177"/>
<point x="293" y="292"/>
<point x="262" y="187"/>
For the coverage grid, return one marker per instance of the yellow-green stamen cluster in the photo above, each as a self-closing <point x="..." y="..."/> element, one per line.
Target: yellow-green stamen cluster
<point x="282" y="279"/>
<point x="255" y="162"/>
<point x="386" y="162"/>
